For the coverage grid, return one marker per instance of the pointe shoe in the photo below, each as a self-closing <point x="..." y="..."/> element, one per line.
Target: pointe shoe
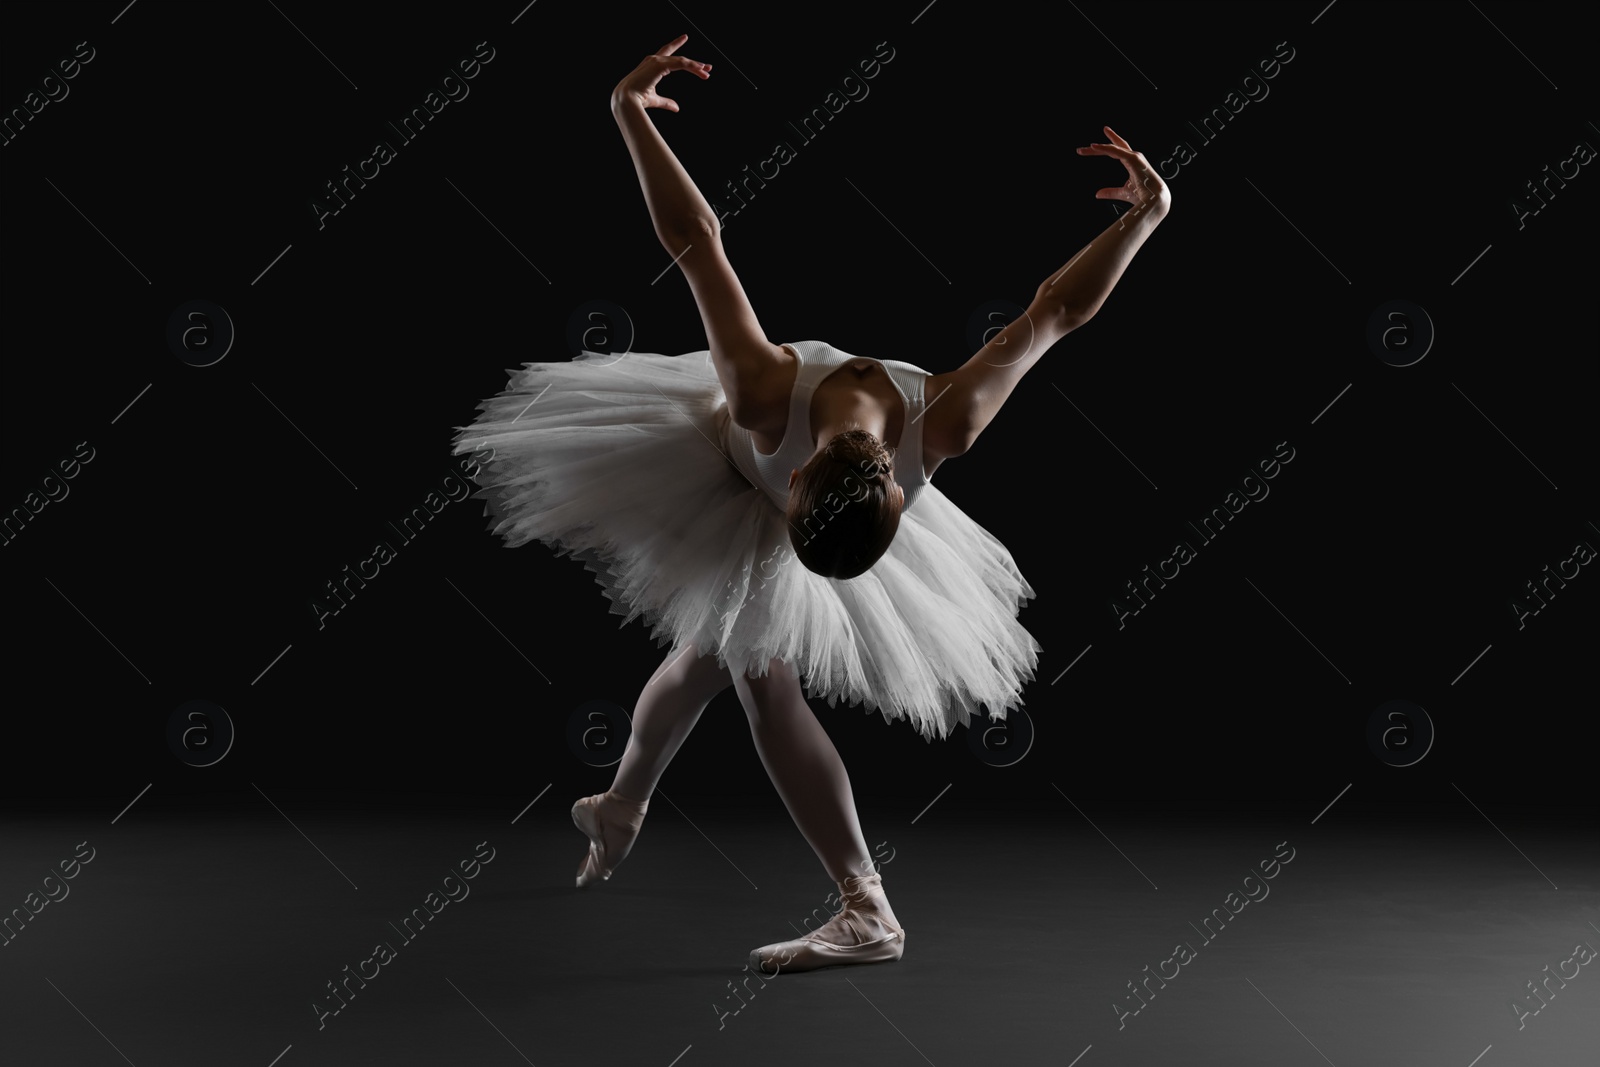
<point x="611" y="822"/>
<point x="861" y="932"/>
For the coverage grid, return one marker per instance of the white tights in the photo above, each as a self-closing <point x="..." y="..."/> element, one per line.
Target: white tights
<point x="799" y="755"/>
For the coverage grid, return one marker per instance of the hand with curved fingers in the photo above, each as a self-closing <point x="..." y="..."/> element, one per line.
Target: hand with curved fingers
<point x="640" y="86"/>
<point x="1144" y="187"/>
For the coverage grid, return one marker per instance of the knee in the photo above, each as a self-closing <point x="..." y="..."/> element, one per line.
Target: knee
<point x="762" y="685"/>
<point x="706" y="671"/>
<point x="691" y="664"/>
<point x="773" y="672"/>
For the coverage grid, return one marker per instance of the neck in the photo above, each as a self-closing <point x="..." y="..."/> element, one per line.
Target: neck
<point x="860" y="415"/>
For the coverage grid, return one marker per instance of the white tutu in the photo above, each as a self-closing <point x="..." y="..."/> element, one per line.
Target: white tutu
<point x="622" y="462"/>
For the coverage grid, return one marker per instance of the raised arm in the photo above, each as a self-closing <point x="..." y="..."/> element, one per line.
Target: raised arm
<point x="746" y="362"/>
<point x="1063" y="302"/>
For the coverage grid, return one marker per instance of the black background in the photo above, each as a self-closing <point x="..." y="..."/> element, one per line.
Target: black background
<point x="1383" y="161"/>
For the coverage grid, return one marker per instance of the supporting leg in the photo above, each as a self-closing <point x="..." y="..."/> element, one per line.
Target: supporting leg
<point x="810" y="777"/>
<point x="806" y="769"/>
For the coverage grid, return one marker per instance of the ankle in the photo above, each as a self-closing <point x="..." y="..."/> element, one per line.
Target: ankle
<point x="864" y="894"/>
<point x="865" y="898"/>
<point x="860" y="886"/>
<point x="627" y="803"/>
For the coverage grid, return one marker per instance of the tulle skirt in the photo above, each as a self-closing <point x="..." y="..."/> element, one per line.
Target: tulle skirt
<point x="622" y="463"/>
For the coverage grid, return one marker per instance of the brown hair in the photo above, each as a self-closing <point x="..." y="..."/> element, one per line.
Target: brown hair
<point x="843" y="510"/>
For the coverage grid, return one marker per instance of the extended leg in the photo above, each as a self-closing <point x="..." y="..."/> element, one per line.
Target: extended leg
<point x="667" y="709"/>
<point x="665" y="712"/>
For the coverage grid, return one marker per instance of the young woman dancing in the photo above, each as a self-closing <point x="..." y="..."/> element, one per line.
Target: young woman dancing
<point x="690" y="484"/>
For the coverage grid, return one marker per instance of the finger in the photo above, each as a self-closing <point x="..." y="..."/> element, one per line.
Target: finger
<point x="663" y="102"/>
<point x="1126" y="155"/>
<point x="672" y="45"/>
<point x="1117" y="138"/>
<point x="685" y="63"/>
<point x="1116" y="192"/>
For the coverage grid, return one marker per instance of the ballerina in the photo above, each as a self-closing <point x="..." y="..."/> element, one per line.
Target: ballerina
<point x="690" y="484"/>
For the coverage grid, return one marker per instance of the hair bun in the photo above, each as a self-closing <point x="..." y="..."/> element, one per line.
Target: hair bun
<point x="832" y="540"/>
<point x="862" y="450"/>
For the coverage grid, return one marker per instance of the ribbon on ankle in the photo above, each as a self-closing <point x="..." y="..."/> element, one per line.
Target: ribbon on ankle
<point x="856" y="889"/>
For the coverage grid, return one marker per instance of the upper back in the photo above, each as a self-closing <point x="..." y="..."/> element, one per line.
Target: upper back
<point x="815" y="360"/>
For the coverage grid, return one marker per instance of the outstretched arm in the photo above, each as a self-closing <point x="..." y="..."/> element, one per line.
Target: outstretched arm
<point x="688" y="229"/>
<point x="1063" y="302"/>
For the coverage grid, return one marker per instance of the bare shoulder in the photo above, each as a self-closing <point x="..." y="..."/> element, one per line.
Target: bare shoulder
<point x="944" y="425"/>
<point x="762" y="406"/>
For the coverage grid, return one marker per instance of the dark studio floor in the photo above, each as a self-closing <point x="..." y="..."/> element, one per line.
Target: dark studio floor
<point x="1388" y="938"/>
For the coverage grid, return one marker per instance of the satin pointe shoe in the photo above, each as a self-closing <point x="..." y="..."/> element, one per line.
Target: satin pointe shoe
<point x="611" y="822"/>
<point x="863" y="931"/>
